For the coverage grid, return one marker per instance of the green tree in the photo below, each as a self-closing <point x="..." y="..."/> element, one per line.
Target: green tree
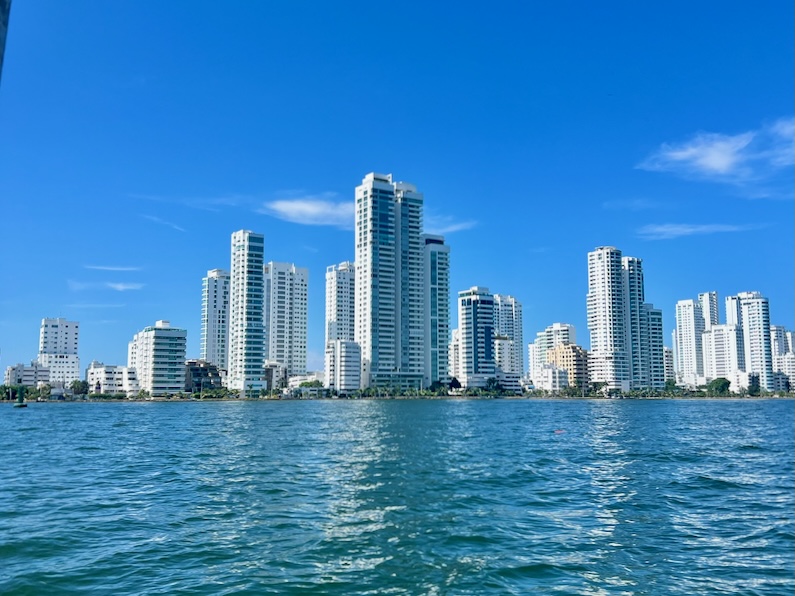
<point x="754" y="387"/>
<point x="719" y="386"/>
<point x="79" y="387"/>
<point x="455" y="383"/>
<point x="314" y="383"/>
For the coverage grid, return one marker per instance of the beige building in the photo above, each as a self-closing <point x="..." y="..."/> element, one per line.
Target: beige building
<point x="573" y="359"/>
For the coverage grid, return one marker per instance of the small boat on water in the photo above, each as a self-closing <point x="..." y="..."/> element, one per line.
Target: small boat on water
<point x="20" y="403"/>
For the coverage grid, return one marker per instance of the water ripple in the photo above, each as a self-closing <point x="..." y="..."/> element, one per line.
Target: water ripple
<point x="399" y="497"/>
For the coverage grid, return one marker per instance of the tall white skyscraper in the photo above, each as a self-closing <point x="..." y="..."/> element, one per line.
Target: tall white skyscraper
<point x="215" y="318"/>
<point x="436" y="265"/>
<point x="722" y="349"/>
<point x="709" y="308"/>
<point x="157" y="353"/>
<point x="755" y="324"/>
<point x="609" y="355"/>
<point x="390" y="300"/>
<point x="58" y="341"/>
<point x="688" y="352"/>
<point x="246" y="359"/>
<point x="508" y="323"/>
<point x="556" y="334"/>
<point x="285" y="319"/>
<point x="340" y="302"/>
<point x="626" y="332"/>
<point x="476" y="337"/>
<point x="342" y="353"/>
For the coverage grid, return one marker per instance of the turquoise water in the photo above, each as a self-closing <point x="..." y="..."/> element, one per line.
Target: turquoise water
<point x="399" y="497"/>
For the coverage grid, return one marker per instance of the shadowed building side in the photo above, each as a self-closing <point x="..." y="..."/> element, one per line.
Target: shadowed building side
<point x="5" y="10"/>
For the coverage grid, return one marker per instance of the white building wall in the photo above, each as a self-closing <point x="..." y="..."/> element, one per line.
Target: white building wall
<point x="285" y="320"/>
<point x="555" y="335"/>
<point x="340" y="302"/>
<point x="214" y="346"/>
<point x="755" y="323"/>
<point x="551" y="378"/>
<point x="722" y="347"/>
<point x="58" y="349"/>
<point x="389" y="282"/>
<point x="606" y="309"/>
<point x="158" y="356"/>
<point x="110" y="379"/>
<point x="690" y="325"/>
<point x="508" y="323"/>
<point x="343" y="362"/>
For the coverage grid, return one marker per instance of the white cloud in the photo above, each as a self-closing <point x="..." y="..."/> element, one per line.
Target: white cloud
<point x="78" y="286"/>
<point x="123" y="287"/>
<point x="444" y="224"/>
<point x="671" y="231"/>
<point x="312" y="210"/>
<point x="111" y="268"/>
<point x="163" y="222"/>
<point x="749" y="157"/>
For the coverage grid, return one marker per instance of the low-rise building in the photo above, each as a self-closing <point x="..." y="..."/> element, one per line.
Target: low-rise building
<point x="34" y="375"/>
<point x="111" y="379"/>
<point x="201" y="375"/>
<point x="157" y="353"/>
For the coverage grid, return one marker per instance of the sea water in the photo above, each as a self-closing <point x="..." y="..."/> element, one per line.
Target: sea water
<point x="399" y="497"/>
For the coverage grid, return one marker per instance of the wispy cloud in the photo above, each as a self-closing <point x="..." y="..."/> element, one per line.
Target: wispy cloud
<point x="123" y="287"/>
<point x="111" y="268"/>
<point x="78" y="286"/>
<point x="445" y="224"/>
<point x="632" y="205"/>
<point x="312" y="210"/>
<point x="163" y="222"/>
<point x="201" y="203"/>
<point x="672" y="231"/>
<point x="743" y="159"/>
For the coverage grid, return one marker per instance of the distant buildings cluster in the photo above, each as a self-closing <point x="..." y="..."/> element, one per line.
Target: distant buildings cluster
<point x="387" y="325"/>
<point x="745" y="349"/>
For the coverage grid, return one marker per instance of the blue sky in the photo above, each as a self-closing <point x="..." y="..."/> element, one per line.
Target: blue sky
<point x="136" y="136"/>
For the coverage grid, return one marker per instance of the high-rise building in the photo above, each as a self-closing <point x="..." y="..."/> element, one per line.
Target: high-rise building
<point x="285" y="320"/>
<point x="609" y="361"/>
<point x="436" y="282"/>
<point x="390" y="300"/>
<point x="214" y="346"/>
<point x="454" y="355"/>
<point x="340" y="302"/>
<point x="709" y="308"/>
<point x="246" y="359"/>
<point x="755" y="324"/>
<point x="554" y="335"/>
<point x="508" y="323"/>
<point x="670" y="373"/>
<point x="722" y="350"/>
<point x="157" y="353"/>
<point x="688" y="352"/>
<point x="58" y="341"/>
<point x="476" y="333"/>
<point x="626" y="332"/>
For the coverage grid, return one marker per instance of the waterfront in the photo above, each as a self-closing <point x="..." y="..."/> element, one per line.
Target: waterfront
<point x="404" y="497"/>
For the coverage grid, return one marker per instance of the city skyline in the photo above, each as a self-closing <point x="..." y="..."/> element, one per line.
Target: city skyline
<point x="125" y="173"/>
